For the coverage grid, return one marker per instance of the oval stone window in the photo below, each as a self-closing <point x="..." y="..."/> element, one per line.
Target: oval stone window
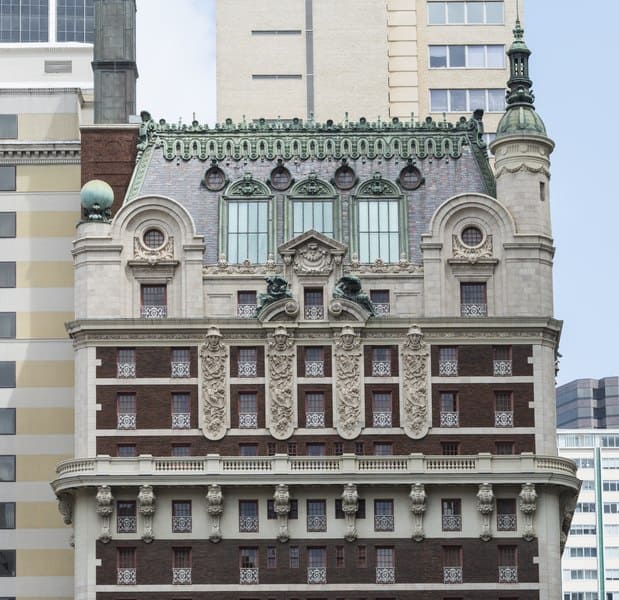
<point x="410" y="178"/>
<point x="215" y="179"/>
<point x="344" y="177"/>
<point x="280" y="178"/>
<point x="153" y="238"/>
<point x="471" y="236"/>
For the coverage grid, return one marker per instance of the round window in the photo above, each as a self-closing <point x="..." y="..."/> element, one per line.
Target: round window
<point x="471" y="236"/>
<point x="410" y="178"/>
<point x="153" y="238"/>
<point x="215" y="179"/>
<point x="344" y="177"/>
<point x="280" y="178"/>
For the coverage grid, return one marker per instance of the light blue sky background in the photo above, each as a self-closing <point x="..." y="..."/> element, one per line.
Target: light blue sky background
<point x="575" y="71"/>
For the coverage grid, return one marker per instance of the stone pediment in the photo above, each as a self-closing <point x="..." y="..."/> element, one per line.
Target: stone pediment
<point x="312" y="253"/>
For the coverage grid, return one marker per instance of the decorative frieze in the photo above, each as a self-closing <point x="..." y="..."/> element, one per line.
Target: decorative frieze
<point x="280" y="410"/>
<point x="415" y="384"/>
<point x="105" y="508"/>
<point x="215" y="508"/>
<point x="214" y="385"/>
<point x="348" y="383"/>
<point x="146" y="506"/>
<point x="281" y="506"/>
<point x="350" y="505"/>
<point x="528" y="506"/>
<point x="418" y="498"/>
<point x="485" y="506"/>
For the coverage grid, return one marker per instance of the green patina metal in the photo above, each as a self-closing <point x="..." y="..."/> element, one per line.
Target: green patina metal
<point x="349" y="287"/>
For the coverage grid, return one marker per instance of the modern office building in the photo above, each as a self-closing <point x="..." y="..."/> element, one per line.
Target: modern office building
<point x="364" y="58"/>
<point x="45" y="94"/>
<point x="588" y="404"/>
<point x="375" y="420"/>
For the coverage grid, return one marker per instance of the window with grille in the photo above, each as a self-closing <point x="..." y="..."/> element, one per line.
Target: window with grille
<point x="313" y="303"/>
<point x="315" y="409"/>
<point x="316" y="515"/>
<point x="381" y="302"/>
<point x="314" y="361"/>
<point x="473" y="300"/>
<point x="248" y="515"/>
<point x="450" y="448"/>
<point x="248" y="362"/>
<point x="450" y="414"/>
<point x="317" y="557"/>
<point x="382" y="409"/>
<point x="125" y="362"/>
<point x="181" y="411"/>
<point x="503" y="409"/>
<point x="502" y="360"/>
<point x="126" y="558"/>
<point x="126" y="566"/>
<point x="293" y="557"/>
<point x="508" y="564"/>
<point x="154" y="301"/>
<point x="448" y="361"/>
<point x="249" y="558"/>
<point x="126" y="516"/>
<point x="181" y="516"/>
<point x="248" y="410"/>
<point x="383" y="515"/>
<point x="384" y="557"/>
<point x="126" y="411"/>
<point x="180" y="362"/>
<point x="506" y="514"/>
<point x="451" y="512"/>
<point x="381" y="361"/>
<point x="182" y="558"/>
<point x="246" y="304"/>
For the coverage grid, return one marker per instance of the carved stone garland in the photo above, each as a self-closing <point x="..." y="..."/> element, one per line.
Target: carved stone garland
<point x="485" y="506"/>
<point x="214" y="358"/>
<point x="528" y="506"/>
<point x="350" y="505"/>
<point x="348" y="383"/>
<point x="281" y="385"/>
<point x="153" y="255"/>
<point x="215" y="508"/>
<point x="418" y="499"/>
<point x="415" y="383"/>
<point x="281" y="506"/>
<point x="146" y="503"/>
<point x="471" y="254"/>
<point x="105" y="508"/>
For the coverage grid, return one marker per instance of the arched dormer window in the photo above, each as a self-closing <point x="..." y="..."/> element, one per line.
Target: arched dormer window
<point x="246" y="217"/>
<point x="379" y="221"/>
<point x="312" y="204"/>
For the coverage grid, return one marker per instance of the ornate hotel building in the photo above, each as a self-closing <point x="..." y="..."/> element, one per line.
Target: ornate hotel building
<point x="316" y="361"/>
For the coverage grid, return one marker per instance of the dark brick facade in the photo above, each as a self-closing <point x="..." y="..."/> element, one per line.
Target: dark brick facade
<point x="154" y="361"/>
<point x="477" y="360"/>
<point x="352" y="595"/>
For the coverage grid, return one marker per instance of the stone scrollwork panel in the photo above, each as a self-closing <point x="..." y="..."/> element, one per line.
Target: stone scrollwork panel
<point x="416" y="405"/>
<point x="348" y="383"/>
<point x="105" y="508"/>
<point x="281" y="361"/>
<point x="213" y="360"/>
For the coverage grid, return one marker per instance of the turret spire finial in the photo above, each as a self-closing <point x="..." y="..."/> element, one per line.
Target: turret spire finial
<point x="519" y="82"/>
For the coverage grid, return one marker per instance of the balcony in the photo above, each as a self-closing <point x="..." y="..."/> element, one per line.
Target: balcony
<point x="506" y="522"/>
<point x="126" y="421"/>
<point x="154" y="312"/>
<point x="448" y="368"/>
<point x="502" y="368"/>
<point x="248" y="576"/>
<point x="381" y="368"/>
<point x="248" y="420"/>
<point x="385" y="574"/>
<point x="315" y="420"/>
<point x="247" y="368"/>
<point x="382" y="309"/>
<point x="248" y="524"/>
<point x="181" y="576"/>
<point x="382" y="419"/>
<point x="126" y="576"/>
<point x="450" y="418"/>
<point x="181" y="420"/>
<point x="452" y="574"/>
<point x="452" y="522"/>
<point x="314" y="312"/>
<point x="317" y="522"/>
<point x="503" y="418"/>
<point x="125" y="370"/>
<point x="180" y="369"/>
<point x="181" y="524"/>
<point x="508" y="574"/>
<point x="317" y="575"/>
<point x="474" y="310"/>
<point x="246" y="311"/>
<point x="383" y="523"/>
<point x="126" y="524"/>
<point x="314" y="368"/>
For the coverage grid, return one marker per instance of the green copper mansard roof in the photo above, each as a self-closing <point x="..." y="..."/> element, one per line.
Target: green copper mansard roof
<point x="520" y="117"/>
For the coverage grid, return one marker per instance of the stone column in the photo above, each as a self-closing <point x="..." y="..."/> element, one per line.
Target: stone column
<point x="348" y="384"/>
<point x="214" y="388"/>
<point x="280" y="399"/>
<point x="416" y="398"/>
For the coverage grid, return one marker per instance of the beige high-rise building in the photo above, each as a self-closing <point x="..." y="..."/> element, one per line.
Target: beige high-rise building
<point x="367" y="58"/>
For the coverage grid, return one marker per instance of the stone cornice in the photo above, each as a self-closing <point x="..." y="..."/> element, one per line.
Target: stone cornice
<point x="40" y="153"/>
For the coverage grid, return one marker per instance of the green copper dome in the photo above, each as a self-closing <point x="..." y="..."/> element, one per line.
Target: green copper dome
<point x="520" y="120"/>
<point x="97" y="197"/>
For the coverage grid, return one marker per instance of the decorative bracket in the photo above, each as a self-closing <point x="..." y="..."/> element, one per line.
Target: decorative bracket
<point x="485" y="506"/>
<point x="528" y="506"/>
<point x="418" y="499"/>
<point x="105" y="508"/>
<point x="215" y="508"/>
<point x="146" y="502"/>
<point x="350" y="505"/>
<point x="281" y="506"/>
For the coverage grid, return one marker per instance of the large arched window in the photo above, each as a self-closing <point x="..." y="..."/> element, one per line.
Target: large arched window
<point x="379" y="221"/>
<point x="312" y="204"/>
<point x="247" y="211"/>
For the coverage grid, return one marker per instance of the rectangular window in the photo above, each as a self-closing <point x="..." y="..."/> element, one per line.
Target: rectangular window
<point x="7" y="421"/>
<point x="504" y="447"/>
<point x="362" y="557"/>
<point x="315" y="410"/>
<point x="316" y="515"/>
<point x="471" y="57"/>
<point x="7" y="563"/>
<point x="248" y="362"/>
<point x="450" y="448"/>
<point x="246" y="305"/>
<point x="317" y="565"/>
<point x="383" y="448"/>
<point x="359" y="448"/>
<point x="381" y="361"/>
<point x="248" y="231"/>
<point x="154" y="301"/>
<point x="503" y="409"/>
<point x="448" y="361"/>
<point x="248" y="410"/>
<point x="7" y="515"/>
<point x="24" y="21"/>
<point x="502" y="360"/>
<point x="181" y="566"/>
<point x="181" y="411"/>
<point x="248" y="515"/>
<point x="338" y="448"/>
<point x="7" y="468"/>
<point x="450" y="415"/>
<point x="75" y="21"/>
<point x="248" y="565"/>
<point x="452" y="564"/>
<point x="489" y="12"/>
<point x="308" y="214"/>
<point x="7" y="374"/>
<point x="291" y="449"/>
<point x="271" y="448"/>
<point x="7" y="274"/>
<point x="508" y="564"/>
<point x="126" y="566"/>
<point x="506" y="514"/>
<point x="180" y="363"/>
<point x="181" y="516"/>
<point x="271" y="557"/>
<point x="314" y="361"/>
<point x="467" y="100"/>
<point x="313" y="304"/>
<point x="293" y="557"/>
<point x="125" y="363"/>
<point x="126" y="450"/>
<point x="473" y="300"/>
<point x="315" y="448"/>
<point x="7" y="178"/>
<point x="385" y="565"/>
<point x="379" y="230"/>
<point x="8" y="126"/>
<point x="340" y="562"/>
<point x="7" y="224"/>
<point x="126" y="411"/>
<point x="451" y="511"/>
<point x="382" y="409"/>
<point x="248" y="449"/>
<point x="383" y="515"/>
<point x="181" y="449"/>
<point x="381" y="302"/>
<point x="126" y="516"/>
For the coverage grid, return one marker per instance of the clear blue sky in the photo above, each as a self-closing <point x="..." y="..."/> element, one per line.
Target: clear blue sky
<point x="575" y="83"/>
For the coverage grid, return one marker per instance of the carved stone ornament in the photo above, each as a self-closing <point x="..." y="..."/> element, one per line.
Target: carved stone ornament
<point x="277" y="289"/>
<point x="348" y="383"/>
<point x="528" y="506"/>
<point x="416" y="398"/>
<point x="105" y="508"/>
<point x="244" y="268"/>
<point x="65" y="507"/>
<point x="281" y="506"/>
<point x="280" y="400"/>
<point x="485" y="506"/>
<point x="350" y="505"/>
<point x="380" y="266"/>
<point x="153" y="255"/>
<point x="214" y="358"/>
<point x="418" y="499"/>
<point x="146" y="504"/>
<point x="472" y="253"/>
<point x="313" y="259"/>
<point x="349" y="287"/>
<point x="215" y="508"/>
